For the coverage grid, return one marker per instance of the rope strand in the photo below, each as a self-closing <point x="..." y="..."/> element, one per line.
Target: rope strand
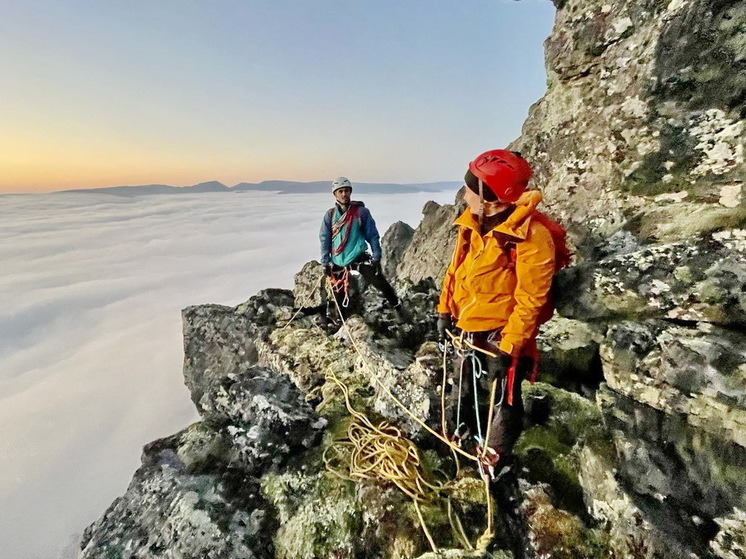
<point x="381" y="452"/>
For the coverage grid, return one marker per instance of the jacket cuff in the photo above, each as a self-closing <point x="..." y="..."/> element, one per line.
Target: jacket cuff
<point x="509" y="348"/>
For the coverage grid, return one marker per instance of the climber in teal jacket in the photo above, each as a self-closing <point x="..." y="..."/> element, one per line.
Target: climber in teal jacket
<point x="346" y="231"/>
<point x="346" y="228"/>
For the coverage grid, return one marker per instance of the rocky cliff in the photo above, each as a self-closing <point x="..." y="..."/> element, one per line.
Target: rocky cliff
<point x="642" y="126"/>
<point x="635" y="439"/>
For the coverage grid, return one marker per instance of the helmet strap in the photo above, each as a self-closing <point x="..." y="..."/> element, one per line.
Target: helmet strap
<point x="480" y="214"/>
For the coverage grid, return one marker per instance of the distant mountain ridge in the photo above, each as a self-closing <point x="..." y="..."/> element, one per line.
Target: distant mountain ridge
<point x="282" y="187"/>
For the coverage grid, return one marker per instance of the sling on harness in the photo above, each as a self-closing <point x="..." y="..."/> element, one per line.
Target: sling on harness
<point x="468" y="348"/>
<point x="343" y="226"/>
<point x="341" y="284"/>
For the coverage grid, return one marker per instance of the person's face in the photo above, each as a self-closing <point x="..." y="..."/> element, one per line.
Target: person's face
<point x="472" y="200"/>
<point x="490" y="208"/>
<point x="342" y="195"/>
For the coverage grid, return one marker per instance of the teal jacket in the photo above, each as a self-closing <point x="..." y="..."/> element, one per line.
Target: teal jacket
<point x="362" y="230"/>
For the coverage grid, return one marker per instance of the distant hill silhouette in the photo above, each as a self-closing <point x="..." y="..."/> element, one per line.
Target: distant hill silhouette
<point x="282" y="187"/>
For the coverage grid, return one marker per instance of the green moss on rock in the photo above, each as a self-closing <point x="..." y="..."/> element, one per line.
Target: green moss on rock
<point x="319" y="515"/>
<point x="558" y="534"/>
<point x="550" y="451"/>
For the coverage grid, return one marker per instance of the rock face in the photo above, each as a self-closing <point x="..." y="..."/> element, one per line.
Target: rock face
<point x="429" y="251"/>
<point x="634" y="442"/>
<point x="641" y="128"/>
<point x="638" y="146"/>
<point x="701" y="279"/>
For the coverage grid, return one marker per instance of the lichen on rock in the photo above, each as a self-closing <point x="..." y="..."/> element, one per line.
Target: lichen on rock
<point x="633" y="447"/>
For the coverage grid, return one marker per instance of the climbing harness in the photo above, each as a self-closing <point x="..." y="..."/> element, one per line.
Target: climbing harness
<point x="467" y="351"/>
<point x="341" y="284"/>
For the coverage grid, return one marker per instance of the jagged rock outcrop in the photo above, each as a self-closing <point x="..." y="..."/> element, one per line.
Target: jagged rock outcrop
<point x="428" y="253"/>
<point x="394" y="242"/>
<point x="197" y="493"/>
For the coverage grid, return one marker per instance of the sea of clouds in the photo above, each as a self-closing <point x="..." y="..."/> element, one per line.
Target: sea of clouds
<point x="91" y="290"/>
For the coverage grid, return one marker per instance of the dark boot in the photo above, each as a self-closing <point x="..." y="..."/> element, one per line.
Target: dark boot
<point x="511" y="528"/>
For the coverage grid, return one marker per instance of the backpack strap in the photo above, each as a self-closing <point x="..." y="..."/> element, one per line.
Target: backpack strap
<point x="511" y="252"/>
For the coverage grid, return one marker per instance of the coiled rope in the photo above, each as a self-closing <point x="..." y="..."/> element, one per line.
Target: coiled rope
<point x="382" y="452"/>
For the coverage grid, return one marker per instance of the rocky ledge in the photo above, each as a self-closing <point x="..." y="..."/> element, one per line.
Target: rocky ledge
<point x="635" y="449"/>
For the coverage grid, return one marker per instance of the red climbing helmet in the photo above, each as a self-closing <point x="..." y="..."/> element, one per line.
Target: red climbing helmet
<point x="504" y="172"/>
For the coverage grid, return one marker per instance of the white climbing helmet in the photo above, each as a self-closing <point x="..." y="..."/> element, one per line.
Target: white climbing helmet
<point x="341" y="182"/>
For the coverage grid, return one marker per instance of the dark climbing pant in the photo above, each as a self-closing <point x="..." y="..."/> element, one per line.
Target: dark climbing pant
<point x="470" y="418"/>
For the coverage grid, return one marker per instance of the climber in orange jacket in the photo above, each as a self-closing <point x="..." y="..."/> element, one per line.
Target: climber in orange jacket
<point x="494" y="291"/>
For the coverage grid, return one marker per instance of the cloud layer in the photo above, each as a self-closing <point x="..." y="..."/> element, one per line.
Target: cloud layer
<point x="90" y="331"/>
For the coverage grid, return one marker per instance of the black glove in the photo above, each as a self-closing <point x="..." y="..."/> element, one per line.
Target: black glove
<point x="506" y="360"/>
<point x="376" y="265"/>
<point x="328" y="270"/>
<point x="445" y="322"/>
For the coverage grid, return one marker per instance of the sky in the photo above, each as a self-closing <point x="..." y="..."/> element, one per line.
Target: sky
<point x="127" y="92"/>
<point x="91" y="336"/>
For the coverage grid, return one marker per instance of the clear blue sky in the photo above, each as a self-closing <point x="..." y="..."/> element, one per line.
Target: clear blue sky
<point x="103" y="93"/>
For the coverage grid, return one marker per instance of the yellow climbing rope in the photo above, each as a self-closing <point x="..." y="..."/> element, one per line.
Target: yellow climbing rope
<point x="398" y="402"/>
<point x="379" y="452"/>
<point x="382" y="452"/>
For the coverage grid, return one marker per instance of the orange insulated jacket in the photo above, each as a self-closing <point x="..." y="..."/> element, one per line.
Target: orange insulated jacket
<point x="501" y="280"/>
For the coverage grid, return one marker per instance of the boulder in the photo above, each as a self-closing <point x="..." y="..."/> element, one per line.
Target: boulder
<point x="265" y="414"/>
<point x="219" y="340"/>
<point x="393" y="244"/>
<point x="310" y="286"/>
